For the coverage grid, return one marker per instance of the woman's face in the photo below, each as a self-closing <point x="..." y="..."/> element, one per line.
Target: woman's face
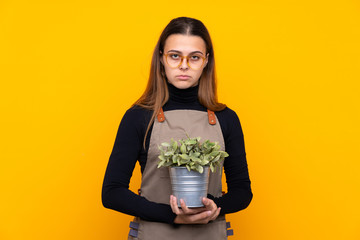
<point x="178" y="45"/>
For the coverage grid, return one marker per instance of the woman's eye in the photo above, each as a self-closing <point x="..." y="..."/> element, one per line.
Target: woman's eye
<point x="174" y="56"/>
<point x="195" y="57"/>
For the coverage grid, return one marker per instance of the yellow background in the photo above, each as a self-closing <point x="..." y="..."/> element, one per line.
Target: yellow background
<point x="70" y="69"/>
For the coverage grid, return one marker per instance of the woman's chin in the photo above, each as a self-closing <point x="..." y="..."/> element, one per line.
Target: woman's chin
<point x="183" y="84"/>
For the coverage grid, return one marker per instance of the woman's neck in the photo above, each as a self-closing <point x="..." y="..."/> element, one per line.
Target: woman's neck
<point x="187" y="95"/>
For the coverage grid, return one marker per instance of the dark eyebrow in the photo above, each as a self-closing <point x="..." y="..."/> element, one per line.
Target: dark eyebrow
<point x="176" y="51"/>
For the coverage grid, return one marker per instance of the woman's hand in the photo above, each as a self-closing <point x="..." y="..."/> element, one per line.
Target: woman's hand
<point x="201" y="215"/>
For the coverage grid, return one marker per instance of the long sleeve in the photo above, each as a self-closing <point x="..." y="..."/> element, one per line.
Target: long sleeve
<point x="239" y="194"/>
<point x="126" y="151"/>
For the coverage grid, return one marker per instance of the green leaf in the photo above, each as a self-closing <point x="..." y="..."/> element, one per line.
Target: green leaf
<point x="224" y="154"/>
<point x="209" y="144"/>
<point x="212" y="167"/>
<point x="194" y="154"/>
<point x="168" y="154"/>
<point x="174" y="145"/>
<point x="195" y="159"/>
<point x="214" y="153"/>
<point x="175" y="158"/>
<point x="160" y="164"/>
<point x="190" y="142"/>
<point x="204" y="162"/>
<point x="167" y="164"/>
<point x="184" y="156"/>
<point x="199" y="168"/>
<point x="183" y="148"/>
<point x="184" y="161"/>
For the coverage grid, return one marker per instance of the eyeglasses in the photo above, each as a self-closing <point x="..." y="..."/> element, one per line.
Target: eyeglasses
<point x="194" y="61"/>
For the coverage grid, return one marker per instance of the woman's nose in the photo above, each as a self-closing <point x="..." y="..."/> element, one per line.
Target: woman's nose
<point x="183" y="64"/>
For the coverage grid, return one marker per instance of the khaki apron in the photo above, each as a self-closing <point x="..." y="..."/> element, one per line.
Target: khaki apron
<point x="156" y="185"/>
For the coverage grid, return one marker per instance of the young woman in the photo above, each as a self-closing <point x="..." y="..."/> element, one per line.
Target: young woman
<point x="180" y="98"/>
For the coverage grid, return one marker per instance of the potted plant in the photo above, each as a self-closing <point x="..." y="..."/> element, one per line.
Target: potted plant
<point x="189" y="162"/>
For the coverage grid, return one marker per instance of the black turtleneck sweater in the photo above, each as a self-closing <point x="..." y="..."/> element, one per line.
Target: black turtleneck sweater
<point x="128" y="148"/>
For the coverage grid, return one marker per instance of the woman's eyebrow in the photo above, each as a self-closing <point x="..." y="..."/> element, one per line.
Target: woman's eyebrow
<point x="176" y="51"/>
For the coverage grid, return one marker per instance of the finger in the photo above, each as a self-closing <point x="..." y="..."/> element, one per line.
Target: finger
<point x="190" y="211"/>
<point x="174" y="206"/>
<point x="209" y="204"/>
<point x="202" y="217"/>
<point x="196" y="210"/>
<point x="171" y="203"/>
<point x="216" y="214"/>
<point x="184" y="207"/>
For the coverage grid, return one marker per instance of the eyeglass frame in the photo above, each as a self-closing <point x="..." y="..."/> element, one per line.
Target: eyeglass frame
<point x="187" y="60"/>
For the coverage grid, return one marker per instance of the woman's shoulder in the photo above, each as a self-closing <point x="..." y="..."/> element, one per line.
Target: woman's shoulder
<point x="227" y="113"/>
<point x="229" y="122"/>
<point x="136" y="110"/>
<point x="137" y="115"/>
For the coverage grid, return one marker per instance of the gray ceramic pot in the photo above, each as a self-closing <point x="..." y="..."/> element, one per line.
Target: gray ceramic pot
<point x="191" y="186"/>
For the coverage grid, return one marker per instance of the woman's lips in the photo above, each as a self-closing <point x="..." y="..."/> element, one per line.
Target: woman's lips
<point x="183" y="77"/>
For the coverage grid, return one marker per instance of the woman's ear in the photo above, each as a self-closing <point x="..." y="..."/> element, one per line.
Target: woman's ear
<point x="161" y="57"/>
<point x="206" y="60"/>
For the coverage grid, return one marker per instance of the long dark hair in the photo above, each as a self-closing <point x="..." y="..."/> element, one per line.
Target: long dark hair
<point x="156" y="93"/>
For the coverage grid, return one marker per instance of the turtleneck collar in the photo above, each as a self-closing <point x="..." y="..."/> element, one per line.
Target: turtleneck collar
<point x="187" y="95"/>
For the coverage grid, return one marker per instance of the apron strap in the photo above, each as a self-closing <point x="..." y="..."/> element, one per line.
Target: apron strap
<point x="161" y="116"/>
<point x="211" y="116"/>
